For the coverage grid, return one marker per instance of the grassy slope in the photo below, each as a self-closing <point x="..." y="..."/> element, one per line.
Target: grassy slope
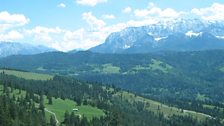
<point x="109" y="68"/>
<point x="157" y="65"/>
<point x="153" y="106"/>
<point x="27" y="75"/>
<point x="106" y="69"/>
<point x="60" y="106"/>
<point x="154" y="65"/>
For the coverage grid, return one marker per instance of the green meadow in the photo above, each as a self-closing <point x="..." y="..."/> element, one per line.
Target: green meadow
<point x="27" y="75"/>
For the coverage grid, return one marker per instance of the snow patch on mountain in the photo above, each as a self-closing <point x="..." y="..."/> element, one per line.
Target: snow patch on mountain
<point x="220" y="37"/>
<point x="191" y="34"/>
<point x="126" y="46"/>
<point x="159" y="38"/>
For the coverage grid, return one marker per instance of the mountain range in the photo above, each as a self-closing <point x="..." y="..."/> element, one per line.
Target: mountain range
<point x="176" y="35"/>
<point x="179" y="35"/>
<point x="13" y="48"/>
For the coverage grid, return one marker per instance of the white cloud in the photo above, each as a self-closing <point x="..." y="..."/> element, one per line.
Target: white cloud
<point x="70" y="40"/>
<point x="79" y="39"/>
<point x="61" y="5"/>
<point x="94" y="23"/>
<point x="108" y="16"/>
<point x="63" y="39"/>
<point x="8" y="20"/>
<point x="153" y="11"/>
<point x="127" y="10"/>
<point x="90" y="2"/>
<point x="11" y="36"/>
<point x="44" y="34"/>
<point x="141" y="13"/>
<point x="152" y="15"/>
<point x="43" y="30"/>
<point x="138" y="23"/>
<point x="20" y="19"/>
<point x="170" y="13"/>
<point x="9" y="23"/>
<point x="213" y="13"/>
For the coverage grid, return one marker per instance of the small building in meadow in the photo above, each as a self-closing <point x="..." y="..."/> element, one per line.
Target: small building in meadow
<point x="75" y="109"/>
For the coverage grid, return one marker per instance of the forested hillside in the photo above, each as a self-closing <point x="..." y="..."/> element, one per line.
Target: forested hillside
<point x="119" y="111"/>
<point x="19" y="112"/>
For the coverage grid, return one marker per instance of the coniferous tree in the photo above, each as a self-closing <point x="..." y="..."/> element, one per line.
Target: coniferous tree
<point x="66" y="118"/>
<point x="50" y="102"/>
<point x="41" y="106"/>
<point x="115" y="119"/>
<point x="52" y="121"/>
<point x="84" y="121"/>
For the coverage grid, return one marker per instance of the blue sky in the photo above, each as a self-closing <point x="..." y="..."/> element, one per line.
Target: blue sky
<point x="75" y="24"/>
